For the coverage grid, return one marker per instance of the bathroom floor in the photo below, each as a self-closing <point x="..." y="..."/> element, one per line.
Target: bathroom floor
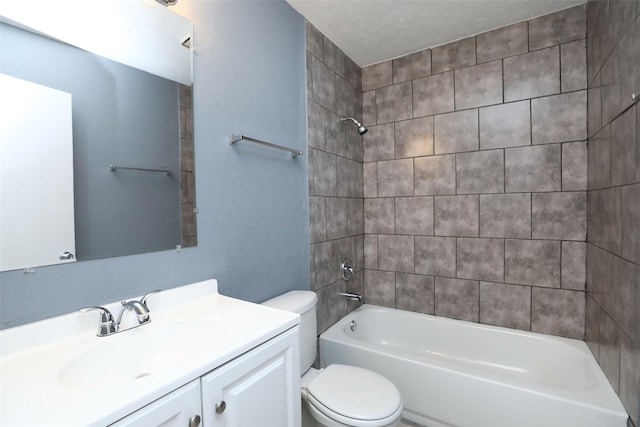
<point x="407" y="423"/>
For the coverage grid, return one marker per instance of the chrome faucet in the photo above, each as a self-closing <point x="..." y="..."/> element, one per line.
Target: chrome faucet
<point x="346" y="269"/>
<point x="352" y="296"/>
<point x="141" y="310"/>
<point x="108" y="326"/>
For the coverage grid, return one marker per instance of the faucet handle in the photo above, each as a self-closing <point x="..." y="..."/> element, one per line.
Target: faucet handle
<point x="346" y="269"/>
<point x="107" y="325"/>
<point x="144" y="298"/>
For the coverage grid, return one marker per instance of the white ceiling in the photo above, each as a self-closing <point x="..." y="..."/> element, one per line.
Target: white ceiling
<point x="372" y="31"/>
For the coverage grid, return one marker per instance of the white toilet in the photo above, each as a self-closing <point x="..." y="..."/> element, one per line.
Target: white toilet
<point x="338" y="395"/>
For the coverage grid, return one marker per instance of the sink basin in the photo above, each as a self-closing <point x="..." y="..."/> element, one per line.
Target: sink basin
<point x="139" y="353"/>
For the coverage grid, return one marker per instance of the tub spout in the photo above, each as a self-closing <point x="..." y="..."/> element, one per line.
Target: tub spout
<point x="352" y="296"/>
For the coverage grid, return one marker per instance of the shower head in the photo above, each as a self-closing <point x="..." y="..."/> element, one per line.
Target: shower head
<point x="362" y="129"/>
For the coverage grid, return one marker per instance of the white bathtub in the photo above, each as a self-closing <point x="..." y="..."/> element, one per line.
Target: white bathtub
<point x="456" y="373"/>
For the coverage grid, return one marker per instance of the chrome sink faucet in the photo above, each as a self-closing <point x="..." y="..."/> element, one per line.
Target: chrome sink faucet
<point x="109" y="326"/>
<point x="141" y="310"/>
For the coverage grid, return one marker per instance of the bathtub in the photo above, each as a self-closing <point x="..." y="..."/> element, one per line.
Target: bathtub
<point x="455" y="373"/>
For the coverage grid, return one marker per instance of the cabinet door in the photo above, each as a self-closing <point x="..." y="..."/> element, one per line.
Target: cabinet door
<point x="260" y="388"/>
<point x="176" y="409"/>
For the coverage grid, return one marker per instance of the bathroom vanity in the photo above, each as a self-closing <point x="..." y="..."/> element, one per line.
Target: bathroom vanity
<point x="203" y="360"/>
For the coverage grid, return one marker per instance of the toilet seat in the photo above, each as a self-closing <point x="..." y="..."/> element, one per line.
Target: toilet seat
<point x="354" y="396"/>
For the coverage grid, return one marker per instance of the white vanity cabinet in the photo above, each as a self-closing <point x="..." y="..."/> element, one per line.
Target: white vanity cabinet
<point x="200" y="349"/>
<point x="180" y="408"/>
<point x="259" y="388"/>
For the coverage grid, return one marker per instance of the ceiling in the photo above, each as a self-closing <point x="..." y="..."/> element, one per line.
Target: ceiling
<point x="372" y="31"/>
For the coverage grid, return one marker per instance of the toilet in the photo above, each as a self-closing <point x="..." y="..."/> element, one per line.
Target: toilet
<point x="338" y="395"/>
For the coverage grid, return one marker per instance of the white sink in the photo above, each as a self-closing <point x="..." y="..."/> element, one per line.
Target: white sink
<point x="135" y="354"/>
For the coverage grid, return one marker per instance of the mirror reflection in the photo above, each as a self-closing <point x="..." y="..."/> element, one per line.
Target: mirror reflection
<point x="132" y="152"/>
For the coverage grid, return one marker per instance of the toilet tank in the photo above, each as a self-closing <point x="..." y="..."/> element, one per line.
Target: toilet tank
<point x="303" y="303"/>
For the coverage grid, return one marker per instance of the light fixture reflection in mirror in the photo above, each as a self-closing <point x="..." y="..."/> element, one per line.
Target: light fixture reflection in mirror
<point x="124" y="116"/>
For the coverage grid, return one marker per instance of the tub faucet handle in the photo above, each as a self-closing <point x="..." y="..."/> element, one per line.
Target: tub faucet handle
<point x="346" y="269"/>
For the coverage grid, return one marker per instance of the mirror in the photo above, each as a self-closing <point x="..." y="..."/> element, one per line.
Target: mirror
<point x="126" y="68"/>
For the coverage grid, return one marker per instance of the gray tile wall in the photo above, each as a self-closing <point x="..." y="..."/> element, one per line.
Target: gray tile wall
<point x="475" y="177"/>
<point x="187" y="169"/>
<point x="468" y="196"/>
<point x="613" y="199"/>
<point x="336" y="204"/>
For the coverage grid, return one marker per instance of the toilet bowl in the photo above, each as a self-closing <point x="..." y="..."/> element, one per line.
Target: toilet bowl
<point x="342" y="395"/>
<point x="338" y="395"/>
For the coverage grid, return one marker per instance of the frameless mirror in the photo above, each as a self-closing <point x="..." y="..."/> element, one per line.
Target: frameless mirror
<point x="116" y="77"/>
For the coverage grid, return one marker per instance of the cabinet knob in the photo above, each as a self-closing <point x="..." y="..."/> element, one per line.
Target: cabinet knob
<point x="221" y="406"/>
<point x="194" y="421"/>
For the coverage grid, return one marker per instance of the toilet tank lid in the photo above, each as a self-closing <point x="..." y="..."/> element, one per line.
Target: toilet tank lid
<point x="293" y="301"/>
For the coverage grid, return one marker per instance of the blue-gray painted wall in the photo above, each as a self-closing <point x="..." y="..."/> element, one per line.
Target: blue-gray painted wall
<point x="253" y="223"/>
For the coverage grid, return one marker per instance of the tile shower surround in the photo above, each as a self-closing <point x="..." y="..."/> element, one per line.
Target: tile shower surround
<point x="469" y="194"/>
<point x="474" y="181"/>
<point x="336" y="208"/>
<point x="613" y="208"/>
<point x="475" y="177"/>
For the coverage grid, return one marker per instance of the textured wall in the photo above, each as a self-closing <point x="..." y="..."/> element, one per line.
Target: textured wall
<point x="613" y="248"/>
<point x="336" y="218"/>
<point x="475" y="175"/>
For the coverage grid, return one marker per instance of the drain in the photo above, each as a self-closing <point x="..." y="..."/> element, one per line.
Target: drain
<point x="353" y="325"/>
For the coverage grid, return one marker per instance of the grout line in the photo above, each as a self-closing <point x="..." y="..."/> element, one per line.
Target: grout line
<point x="503" y="94"/>
<point x="560" y="67"/>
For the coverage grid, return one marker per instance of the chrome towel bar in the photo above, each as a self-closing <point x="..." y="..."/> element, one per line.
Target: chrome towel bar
<point x="235" y="138"/>
<point x="113" y="168"/>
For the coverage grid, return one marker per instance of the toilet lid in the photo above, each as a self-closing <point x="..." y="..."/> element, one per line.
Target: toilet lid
<point x="354" y="393"/>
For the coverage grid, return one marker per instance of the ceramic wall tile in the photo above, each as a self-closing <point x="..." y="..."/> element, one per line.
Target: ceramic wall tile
<point x="414" y="138"/>
<point x="505" y="125"/>
<point x="458" y="54"/>
<point x="480" y="259"/>
<point x="458" y="299"/>
<point x="412" y="66"/>
<point x="503" y="42"/>
<point x="505" y="215"/>
<point x="456" y="216"/>
<point x="456" y="132"/>
<point x="556" y="28"/>
<point x="478" y="85"/>
<point x="415" y="293"/>
<point x="505" y="305"/>
<point x="433" y="95"/>
<point x="435" y="175"/>
<point x="480" y="172"/>
<point x="532" y="74"/>
<point x="377" y="76"/>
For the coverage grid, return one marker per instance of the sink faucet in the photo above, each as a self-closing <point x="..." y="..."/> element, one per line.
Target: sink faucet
<point x="141" y="310"/>
<point x="108" y="326"/>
